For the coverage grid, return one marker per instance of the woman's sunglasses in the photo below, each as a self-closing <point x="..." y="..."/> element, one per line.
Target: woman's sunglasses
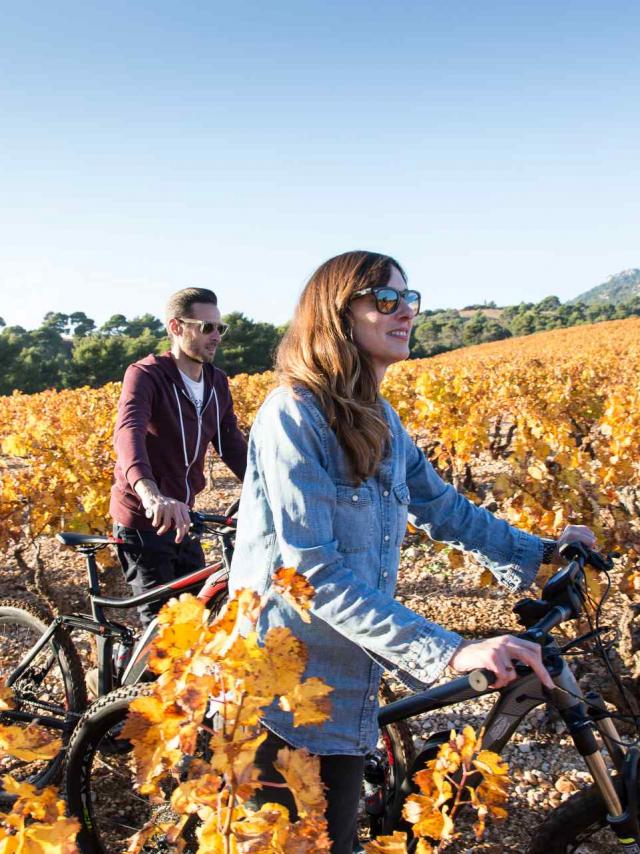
<point x="388" y="299"/>
<point x="206" y="326"/>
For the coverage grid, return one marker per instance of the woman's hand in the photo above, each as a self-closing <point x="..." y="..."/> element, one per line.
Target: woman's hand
<point x="572" y="534"/>
<point x="498" y="655"/>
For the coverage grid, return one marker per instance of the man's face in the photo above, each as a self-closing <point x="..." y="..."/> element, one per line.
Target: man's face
<point x="197" y="345"/>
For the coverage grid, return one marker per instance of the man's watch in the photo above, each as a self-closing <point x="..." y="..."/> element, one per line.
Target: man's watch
<point x="549" y="549"/>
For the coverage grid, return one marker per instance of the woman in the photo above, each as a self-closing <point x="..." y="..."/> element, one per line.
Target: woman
<point x="331" y="478"/>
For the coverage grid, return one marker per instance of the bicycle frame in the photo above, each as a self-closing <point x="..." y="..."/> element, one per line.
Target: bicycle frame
<point x="514" y="703"/>
<point x="107" y="632"/>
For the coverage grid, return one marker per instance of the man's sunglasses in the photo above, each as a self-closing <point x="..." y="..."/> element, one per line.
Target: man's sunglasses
<point x="388" y="299"/>
<point x="206" y="326"/>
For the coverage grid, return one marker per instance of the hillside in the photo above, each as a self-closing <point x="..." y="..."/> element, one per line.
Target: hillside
<point x="619" y="288"/>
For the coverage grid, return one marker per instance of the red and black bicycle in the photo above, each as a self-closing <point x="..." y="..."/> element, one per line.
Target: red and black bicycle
<point x="39" y="660"/>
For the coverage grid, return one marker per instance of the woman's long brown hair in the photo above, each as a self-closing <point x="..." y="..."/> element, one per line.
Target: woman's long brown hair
<point x="318" y="352"/>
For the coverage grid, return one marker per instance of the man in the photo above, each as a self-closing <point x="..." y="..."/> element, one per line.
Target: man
<point x="171" y="407"/>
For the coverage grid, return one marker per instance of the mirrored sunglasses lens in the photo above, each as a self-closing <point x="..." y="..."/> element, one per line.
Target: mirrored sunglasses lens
<point x="223" y="328"/>
<point x="412" y="298"/>
<point x="207" y="327"/>
<point x="386" y="300"/>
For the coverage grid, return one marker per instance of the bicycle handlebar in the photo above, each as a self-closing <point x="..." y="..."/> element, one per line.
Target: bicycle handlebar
<point x="199" y="518"/>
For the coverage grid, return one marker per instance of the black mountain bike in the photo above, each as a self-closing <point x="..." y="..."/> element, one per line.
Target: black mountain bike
<point x="610" y="804"/>
<point x="95" y="767"/>
<point x="39" y="661"/>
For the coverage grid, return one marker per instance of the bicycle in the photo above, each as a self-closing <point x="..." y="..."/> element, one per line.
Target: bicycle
<point x="41" y="664"/>
<point x="610" y="803"/>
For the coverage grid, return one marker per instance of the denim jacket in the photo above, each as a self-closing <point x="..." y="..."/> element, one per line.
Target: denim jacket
<point x="299" y="508"/>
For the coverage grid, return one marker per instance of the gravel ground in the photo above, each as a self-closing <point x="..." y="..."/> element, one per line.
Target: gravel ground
<point x="543" y="764"/>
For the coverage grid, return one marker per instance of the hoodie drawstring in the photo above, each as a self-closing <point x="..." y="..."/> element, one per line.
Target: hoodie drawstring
<point x="213" y="388"/>
<point x="184" y="444"/>
<point x="188" y="464"/>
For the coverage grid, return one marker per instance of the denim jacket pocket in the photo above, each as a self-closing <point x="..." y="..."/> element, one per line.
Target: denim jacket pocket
<point x="401" y="492"/>
<point x="353" y="521"/>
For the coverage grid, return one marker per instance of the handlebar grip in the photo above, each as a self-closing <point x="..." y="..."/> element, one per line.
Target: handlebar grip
<point x="198" y="517"/>
<point x="556" y="616"/>
<point x="482" y="679"/>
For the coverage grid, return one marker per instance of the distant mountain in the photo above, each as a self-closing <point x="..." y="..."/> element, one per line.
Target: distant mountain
<point x="616" y="289"/>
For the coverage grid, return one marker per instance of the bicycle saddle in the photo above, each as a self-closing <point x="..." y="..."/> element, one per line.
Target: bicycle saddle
<point x="70" y="538"/>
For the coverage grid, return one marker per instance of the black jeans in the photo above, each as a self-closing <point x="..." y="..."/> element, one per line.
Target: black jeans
<point x="342" y="775"/>
<point x="148" y="559"/>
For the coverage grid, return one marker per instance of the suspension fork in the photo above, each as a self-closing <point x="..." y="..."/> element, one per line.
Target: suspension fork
<point x="622" y="818"/>
<point x="609" y="734"/>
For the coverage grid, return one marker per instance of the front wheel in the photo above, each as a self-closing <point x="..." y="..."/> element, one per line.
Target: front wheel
<point x="100" y="776"/>
<point x="51" y="691"/>
<point x="578" y="826"/>
<point x="100" y="782"/>
<point x="385" y="770"/>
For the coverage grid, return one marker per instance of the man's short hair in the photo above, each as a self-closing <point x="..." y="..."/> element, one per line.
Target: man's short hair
<point x="179" y="304"/>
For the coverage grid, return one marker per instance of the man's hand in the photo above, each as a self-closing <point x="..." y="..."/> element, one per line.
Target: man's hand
<point x="165" y="513"/>
<point x="572" y="534"/>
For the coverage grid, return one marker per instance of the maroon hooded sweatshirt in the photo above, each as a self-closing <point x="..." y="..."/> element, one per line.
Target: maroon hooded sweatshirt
<point x="160" y="435"/>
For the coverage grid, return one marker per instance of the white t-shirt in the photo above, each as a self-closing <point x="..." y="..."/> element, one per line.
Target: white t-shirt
<point x="195" y="389"/>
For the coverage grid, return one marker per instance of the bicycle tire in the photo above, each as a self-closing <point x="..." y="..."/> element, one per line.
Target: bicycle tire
<point x="574" y="822"/>
<point x="88" y="792"/>
<point x="395" y="755"/>
<point x="55" y="679"/>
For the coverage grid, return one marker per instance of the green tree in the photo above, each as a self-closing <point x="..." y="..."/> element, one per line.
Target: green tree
<point x="32" y="361"/>
<point x="474" y="329"/>
<point x="98" y="359"/>
<point x="115" y="325"/>
<point x="495" y="331"/>
<point x="548" y="304"/>
<point x="80" y="324"/>
<point x="248" y="347"/>
<point x="145" y="323"/>
<point x="524" y="323"/>
<point x="57" y="321"/>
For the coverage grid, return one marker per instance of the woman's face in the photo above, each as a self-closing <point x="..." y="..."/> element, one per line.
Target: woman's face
<point x="385" y="337"/>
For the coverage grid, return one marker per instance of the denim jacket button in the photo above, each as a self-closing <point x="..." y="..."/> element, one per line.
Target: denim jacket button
<point x="354" y="497"/>
<point x="385" y="574"/>
<point x="386" y="538"/>
<point x="372" y="697"/>
<point x="386" y="493"/>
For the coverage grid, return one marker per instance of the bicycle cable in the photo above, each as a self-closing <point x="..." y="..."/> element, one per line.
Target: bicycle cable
<point x="595" y="626"/>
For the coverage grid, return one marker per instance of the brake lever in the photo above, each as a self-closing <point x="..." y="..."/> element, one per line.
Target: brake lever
<point x="603" y="563"/>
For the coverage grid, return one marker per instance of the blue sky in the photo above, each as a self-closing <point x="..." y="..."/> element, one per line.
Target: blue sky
<point x="492" y="147"/>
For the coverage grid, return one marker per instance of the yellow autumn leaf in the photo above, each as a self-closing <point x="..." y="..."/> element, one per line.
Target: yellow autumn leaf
<point x="234" y="758"/>
<point x="295" y="588"/>
<point x="308" y="701"/>
<point x="201" y="790"/>
<point x="181" y="622"/>
<point x="30" y="743"/>
<point x="491" y="763"/>
<point x="57" y="837"/>
<point x="455" y="558"/>
<point x="426" y="818"/>
<point x="467" y="744"/>
<point x="263" y="830"/>
<point x="394" y="844"/>
<point x="279" y="664"/>
<point x="6" y="697"/>
<point x="15" y="446"/>
<point x="301" y="773"/>
<point x="536" y="472"/>
<point x="308" y="836"/>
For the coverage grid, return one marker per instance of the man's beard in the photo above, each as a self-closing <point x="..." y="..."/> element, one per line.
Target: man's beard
<point x="200" y="359"/>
